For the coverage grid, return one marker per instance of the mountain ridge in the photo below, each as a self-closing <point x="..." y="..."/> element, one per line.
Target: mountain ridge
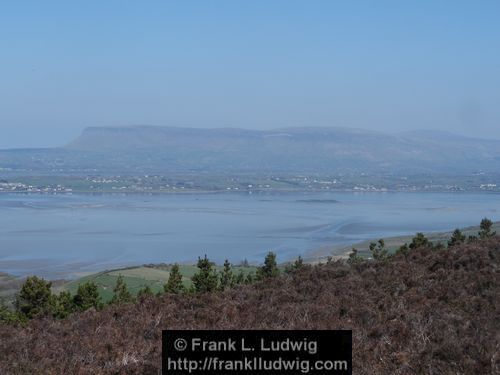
<point x="327" y="150"/>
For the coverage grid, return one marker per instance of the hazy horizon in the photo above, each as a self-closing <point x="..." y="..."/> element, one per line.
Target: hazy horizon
<point x="388" y="66"/>
<point x="395" y="132"/>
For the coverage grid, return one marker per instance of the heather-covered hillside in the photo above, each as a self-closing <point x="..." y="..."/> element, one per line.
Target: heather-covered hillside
<point x="430" y="311"/>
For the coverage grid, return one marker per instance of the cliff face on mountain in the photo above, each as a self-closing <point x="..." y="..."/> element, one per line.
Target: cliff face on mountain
<point x="297" y="150"/>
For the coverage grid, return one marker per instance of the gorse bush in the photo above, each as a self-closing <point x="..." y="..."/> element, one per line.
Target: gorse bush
<point x="485" y="228"/>
<point x="269" y="269"/>
<point x="297" y="265"/>
<point x="63" y="305"/>
<point x="87" y="296"/>
<point x="379" y="251"/>
<point x="457" y="238"/>
<point x="35" y="298"/>
<point x="419" y="241"/>
<point x="239" y="278"/>
<point x="205" y="280"/>
<point x="354" y="257"/>
<point x="121" y="292"/>
<point x="434" y="311"/>
<point x="145" y="292"/>
<point x="8" y="316"/>
<point x="227" y="278"/>
<point x="174" y="284"/>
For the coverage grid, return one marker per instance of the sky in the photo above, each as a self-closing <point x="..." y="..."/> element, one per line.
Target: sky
<point x="381" y="65"/>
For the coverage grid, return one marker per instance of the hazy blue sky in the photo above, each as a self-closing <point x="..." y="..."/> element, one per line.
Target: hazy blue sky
<point x="388" y="65"/>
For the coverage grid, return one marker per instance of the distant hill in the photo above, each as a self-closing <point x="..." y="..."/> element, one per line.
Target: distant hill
<point x="151" y="149"/>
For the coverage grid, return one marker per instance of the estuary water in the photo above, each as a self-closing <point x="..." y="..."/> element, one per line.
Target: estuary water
<point x="66" y="235"/>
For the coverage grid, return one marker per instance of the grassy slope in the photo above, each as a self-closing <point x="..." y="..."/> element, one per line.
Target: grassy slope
<point x="154" y="277"/>
<point x="433" y="311"/>
<point x="392" y="243"/>
<point x="138" y="277"/>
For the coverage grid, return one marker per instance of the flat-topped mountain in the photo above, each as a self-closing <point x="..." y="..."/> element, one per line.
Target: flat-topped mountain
<point x="297" y="150"/>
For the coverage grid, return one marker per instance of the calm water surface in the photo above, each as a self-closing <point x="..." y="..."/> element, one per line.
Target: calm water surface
<point x="62" y="235"/>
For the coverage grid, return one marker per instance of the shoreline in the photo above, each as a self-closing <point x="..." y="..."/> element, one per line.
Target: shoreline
<point x="250" y="192"/>
<point x="312" y="256"/>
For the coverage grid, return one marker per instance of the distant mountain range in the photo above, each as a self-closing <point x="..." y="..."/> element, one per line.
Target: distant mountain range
<point x="152" y="149"/>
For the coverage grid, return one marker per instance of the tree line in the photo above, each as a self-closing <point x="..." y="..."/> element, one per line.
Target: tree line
<point x="379" y="252"/>
<point x="36" y="299"/>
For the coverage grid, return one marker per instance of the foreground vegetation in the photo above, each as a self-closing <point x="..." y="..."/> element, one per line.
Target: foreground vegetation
<point x="152" y="276"/>
<point x="391" y="243"/>
<point x="36" y="298"/>
<point x="425" y="309"/>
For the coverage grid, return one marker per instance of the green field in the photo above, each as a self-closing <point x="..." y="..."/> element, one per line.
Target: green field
<point x="137" y="278"/>
<point x="155" y="276"/>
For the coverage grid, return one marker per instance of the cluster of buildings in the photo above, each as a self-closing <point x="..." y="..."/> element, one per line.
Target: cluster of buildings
<point x="24" y="188"/>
